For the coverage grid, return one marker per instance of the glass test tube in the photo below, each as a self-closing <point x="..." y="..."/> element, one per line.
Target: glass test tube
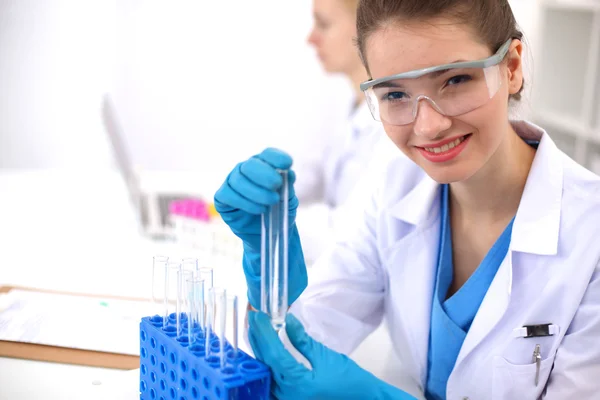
<point x="209" y="321"/>
<point x="159" y="276"/>
<point x="200" y="304"/>
<point x="194" y="291"/>
<point x="274" y="257"/>
<point x="232" y="309"/>
<point x="190" y="264"/>
<point x="220" y="307"/>
<point x="206" y="274"/>
<point x="171" y="291"/>
<point x="182" y="303"/>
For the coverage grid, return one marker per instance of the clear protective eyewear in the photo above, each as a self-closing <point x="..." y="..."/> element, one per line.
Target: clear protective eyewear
<point x="451" y="89"/>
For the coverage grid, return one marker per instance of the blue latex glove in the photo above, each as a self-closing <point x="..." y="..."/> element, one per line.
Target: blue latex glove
<point x="333" y="375"/>
<point x="247" y="192"/>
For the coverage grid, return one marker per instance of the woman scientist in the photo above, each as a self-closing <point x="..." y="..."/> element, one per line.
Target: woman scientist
<point x="329" y="167"/>
<point x="485" y="263"/>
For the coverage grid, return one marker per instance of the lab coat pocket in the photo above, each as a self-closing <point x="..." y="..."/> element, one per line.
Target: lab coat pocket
<point x="518" y="381"/>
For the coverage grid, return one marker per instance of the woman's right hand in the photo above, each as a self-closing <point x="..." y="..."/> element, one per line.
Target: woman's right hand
<point x="248" y="191"/>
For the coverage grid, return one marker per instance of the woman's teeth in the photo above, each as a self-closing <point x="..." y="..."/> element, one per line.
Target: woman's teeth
<point x="445" y="147"/>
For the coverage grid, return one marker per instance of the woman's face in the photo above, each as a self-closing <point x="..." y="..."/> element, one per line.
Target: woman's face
<point x="332" y="36"/>
<point x="428" y="140"/>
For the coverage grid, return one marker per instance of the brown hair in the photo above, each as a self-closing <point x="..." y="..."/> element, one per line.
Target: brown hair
<point x="492" y="20"/>
<point x="351" y="4"/>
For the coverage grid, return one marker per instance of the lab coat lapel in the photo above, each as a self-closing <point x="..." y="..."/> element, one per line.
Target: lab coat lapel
<point x="492" y="308"/>
<point x="412" y="266"/>
<point x="417" y="290"/>
<point x="535" y="231"/>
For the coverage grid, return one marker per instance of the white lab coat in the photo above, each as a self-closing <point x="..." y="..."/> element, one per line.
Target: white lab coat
<point x="385" y="268"/>
<point x="329" y="178"/>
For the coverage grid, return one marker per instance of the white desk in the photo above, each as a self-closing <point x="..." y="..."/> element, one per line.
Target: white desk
<point x="34" y="380"/>
<point x="63" y="230"/>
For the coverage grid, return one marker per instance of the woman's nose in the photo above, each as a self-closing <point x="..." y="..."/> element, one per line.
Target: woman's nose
<point x="312" y="38"/>
<point x="429" y="122"/>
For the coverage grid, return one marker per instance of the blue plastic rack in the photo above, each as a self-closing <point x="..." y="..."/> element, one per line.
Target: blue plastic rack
<point x="172" y="370"/>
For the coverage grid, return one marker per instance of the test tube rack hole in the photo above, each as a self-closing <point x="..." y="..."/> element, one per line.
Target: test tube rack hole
<point x="172" y="370"/>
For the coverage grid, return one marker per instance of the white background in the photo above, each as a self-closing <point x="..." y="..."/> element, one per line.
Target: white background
<point x="198" y="85"/>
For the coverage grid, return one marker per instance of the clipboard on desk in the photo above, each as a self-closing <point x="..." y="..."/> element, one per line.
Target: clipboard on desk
<point x="70" y="328"/>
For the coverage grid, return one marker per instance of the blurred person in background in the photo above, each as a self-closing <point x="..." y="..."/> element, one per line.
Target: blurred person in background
<point x="329" y="169"/>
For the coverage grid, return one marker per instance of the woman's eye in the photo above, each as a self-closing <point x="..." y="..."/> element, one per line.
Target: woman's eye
<point x="391" y="96"/>
<point x="455" y="80"/>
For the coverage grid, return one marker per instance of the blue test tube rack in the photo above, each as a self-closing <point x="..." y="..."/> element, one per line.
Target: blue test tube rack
<point x="172" y="370"/>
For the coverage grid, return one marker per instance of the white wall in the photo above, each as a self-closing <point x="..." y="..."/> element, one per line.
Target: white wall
<point x="527" y="15"/>
<point x="55" y="61"/>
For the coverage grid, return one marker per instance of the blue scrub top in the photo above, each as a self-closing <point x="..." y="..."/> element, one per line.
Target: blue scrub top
<point x="451" y="318"/>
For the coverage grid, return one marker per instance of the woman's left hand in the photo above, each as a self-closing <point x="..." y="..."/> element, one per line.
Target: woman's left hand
<point x="333" y="375"/>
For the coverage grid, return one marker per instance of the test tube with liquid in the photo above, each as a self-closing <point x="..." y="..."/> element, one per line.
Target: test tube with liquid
<point x="158" y="295"/>
<point x="274" y="257"/>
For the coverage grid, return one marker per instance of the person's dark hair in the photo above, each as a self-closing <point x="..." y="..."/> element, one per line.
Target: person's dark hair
<point x="492" y="20"/>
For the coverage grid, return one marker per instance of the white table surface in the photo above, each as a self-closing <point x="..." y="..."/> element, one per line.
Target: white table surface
<point x="76" y="232"/>
<point x="24" y="379"/>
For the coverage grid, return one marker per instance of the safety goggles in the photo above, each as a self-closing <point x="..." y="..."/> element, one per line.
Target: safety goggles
<point x="451" y="89"/>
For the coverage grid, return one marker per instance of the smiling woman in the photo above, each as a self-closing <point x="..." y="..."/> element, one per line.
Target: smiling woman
<point x="475" y="92"/>
<point x="484" y="216"/>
